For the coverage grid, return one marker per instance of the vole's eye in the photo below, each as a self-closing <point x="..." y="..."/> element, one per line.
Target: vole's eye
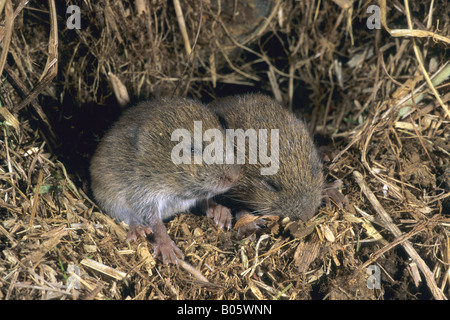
<point x="223" y="122"/>
<point x="270" y="185"/>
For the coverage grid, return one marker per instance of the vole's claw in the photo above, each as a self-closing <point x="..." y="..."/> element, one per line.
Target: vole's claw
<point x="168" y="251"/>
<point x="221" y="215"/>
<point x="137" y="230"/>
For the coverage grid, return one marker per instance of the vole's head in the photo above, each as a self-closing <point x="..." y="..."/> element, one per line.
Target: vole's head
<point x="185" y="148"/>
<point x="295" y="189"/>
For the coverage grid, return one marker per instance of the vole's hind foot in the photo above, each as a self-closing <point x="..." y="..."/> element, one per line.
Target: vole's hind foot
<point x="331" y="192"/>
<point x="169" y="251"/>
<point x="137" y="230"/>
<point x="221" y="214"/>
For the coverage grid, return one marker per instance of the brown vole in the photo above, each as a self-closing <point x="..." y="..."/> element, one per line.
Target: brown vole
<point x="295" y="190"/>
<point x="135" y="179"/>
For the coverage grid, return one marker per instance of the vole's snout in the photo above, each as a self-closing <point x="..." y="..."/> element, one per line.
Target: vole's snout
<point x="230" y="176"/>
<point x="234" y="172"/>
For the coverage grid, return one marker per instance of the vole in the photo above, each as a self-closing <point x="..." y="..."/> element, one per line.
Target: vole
<point x="296" y="189"/>
<point x="134" y="177"/>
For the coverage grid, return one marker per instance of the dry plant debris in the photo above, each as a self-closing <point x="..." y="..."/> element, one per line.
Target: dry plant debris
<point x="379" y="97"/>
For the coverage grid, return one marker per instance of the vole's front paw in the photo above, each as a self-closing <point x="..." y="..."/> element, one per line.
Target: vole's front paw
<point x="137" y="230"/>
<point x="221" y="214"/>
<point x="169" y="251"/>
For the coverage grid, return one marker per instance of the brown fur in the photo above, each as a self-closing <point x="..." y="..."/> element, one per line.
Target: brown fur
<point x="134" y="178"/>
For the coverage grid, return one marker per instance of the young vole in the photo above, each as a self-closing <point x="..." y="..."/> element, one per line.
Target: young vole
<point x="135" y="179"/>
<point x="295" y="190"/>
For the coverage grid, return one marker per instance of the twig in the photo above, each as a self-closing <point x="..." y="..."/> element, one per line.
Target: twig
<point x="9" y="22"/>
<point x="419" y="34"/>
<point x="190" y="55"/>
<point x="36" y="197"/>
<point x="182" y="25"/>
<point x="107" y="270"/>
<point x="194" y="272"/>
<point x="274" y="84"/>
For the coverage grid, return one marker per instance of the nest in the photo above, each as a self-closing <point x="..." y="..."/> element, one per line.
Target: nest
<point x="372" y="82"/>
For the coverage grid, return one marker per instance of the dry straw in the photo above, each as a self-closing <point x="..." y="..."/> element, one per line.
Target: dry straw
<point x="381" y="95"/>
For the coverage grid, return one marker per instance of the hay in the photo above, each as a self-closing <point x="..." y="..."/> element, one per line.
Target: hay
<point x="379" y="97"/>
